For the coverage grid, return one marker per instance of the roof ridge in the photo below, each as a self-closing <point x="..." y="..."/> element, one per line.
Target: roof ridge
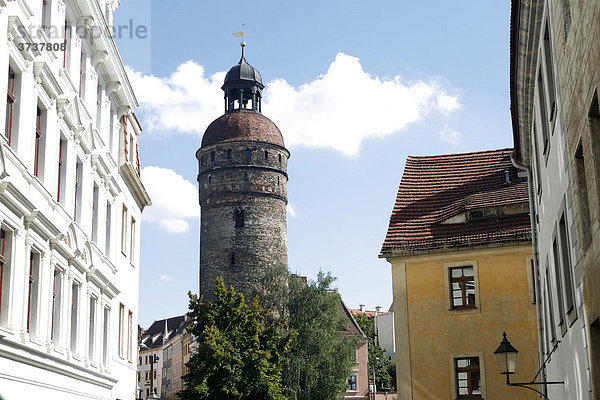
<point x="451" y="155"/>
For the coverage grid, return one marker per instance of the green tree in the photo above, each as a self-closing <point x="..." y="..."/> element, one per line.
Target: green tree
<point x="385" y="375"/>
<point x="320" y="355"/>
<point x="240" y="356"/>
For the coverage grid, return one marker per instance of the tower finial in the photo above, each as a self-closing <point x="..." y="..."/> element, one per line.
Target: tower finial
<point x="242" y="34"/>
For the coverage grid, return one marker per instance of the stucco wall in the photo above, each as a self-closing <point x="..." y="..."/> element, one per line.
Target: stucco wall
<point x="436" y="335"/>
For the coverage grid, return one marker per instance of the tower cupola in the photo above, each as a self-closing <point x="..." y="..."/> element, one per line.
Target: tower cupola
<point x="243" y="87"/>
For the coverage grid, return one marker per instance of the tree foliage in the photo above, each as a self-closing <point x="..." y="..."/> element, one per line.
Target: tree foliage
<point x="240" y="356"/>
<point x="320" y="355"/>
<point x="385" y="375"/>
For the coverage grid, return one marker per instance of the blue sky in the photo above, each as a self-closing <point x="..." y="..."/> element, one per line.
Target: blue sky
<point x="355" y="87"/>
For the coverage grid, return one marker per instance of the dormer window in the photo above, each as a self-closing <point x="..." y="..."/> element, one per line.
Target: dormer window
<point x="483" y="213"/>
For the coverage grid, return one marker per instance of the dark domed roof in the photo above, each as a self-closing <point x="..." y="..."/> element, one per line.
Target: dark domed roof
<point x="242" y="125"/>
<point x="242" y="71"/>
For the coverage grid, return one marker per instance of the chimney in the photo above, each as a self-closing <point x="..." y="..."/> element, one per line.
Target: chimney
<point x="378" y="309"/>
<point x="362" y="307"/>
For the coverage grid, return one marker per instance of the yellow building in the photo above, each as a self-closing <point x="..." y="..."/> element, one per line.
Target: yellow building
<point x="460" y="249"/>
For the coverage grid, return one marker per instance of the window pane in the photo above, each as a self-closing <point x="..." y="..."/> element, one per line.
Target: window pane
<point x="456" y="272"/>
<point x="461" y="363"/>
<point x="468" y="271"/>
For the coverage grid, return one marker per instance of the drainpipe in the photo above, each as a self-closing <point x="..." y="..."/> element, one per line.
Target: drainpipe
<point x="536" y="265"/>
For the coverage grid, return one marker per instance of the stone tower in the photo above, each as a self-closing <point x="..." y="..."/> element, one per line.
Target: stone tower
<point x="243" y="188"/>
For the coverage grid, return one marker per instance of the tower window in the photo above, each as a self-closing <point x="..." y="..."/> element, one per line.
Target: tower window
<point x="266" y="155"/>
<point x="229" y="154"/>
<point x="245" y="177"/>
<point x="280" y="159"/>
<point x="248" y="154"/>
<point x="209" y="179"/>
<point x="202" y="161"/>
<point x="232" y="259"/>
<point x="212" y="156"/>
<point x="239" y="218"/>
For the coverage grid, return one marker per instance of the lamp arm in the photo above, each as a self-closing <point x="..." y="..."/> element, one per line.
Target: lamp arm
<point x="523" y="385"/>
<point x="546" y="360"/>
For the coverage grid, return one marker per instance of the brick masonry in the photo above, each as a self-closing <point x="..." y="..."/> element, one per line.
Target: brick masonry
<point x="578" y="58"/>
<point x="229" y="183"/>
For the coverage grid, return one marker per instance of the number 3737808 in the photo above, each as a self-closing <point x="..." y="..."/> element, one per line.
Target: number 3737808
<point x="41" y="46"/>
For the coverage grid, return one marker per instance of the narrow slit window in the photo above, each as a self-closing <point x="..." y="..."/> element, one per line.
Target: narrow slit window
<point x="229" y="154"/>
<point x="239" y="218"/>
<point x="248" y="154"/>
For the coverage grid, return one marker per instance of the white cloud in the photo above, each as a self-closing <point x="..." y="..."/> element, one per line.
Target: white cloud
<point x="165" y="277"/>
<point x="336" y="110"/>
<point x="185" y="102"/>
<point x="174" y="225"/>
<point x="291" y="211"/>
<point x="174" y="199"/>
<point x="449" y="136"/>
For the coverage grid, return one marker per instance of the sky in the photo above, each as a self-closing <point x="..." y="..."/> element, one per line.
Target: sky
<point x="354" y="86"/>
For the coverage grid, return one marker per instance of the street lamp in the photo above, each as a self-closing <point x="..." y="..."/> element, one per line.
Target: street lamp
<point x="506" y="356"/>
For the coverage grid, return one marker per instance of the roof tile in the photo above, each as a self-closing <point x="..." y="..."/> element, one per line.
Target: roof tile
<point x="435" y="188"/>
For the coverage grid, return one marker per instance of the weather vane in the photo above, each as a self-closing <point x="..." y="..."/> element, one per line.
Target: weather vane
<point x="241" y="34"/>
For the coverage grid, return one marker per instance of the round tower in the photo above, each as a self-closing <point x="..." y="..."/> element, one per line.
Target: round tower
<point x="243" y="188"/>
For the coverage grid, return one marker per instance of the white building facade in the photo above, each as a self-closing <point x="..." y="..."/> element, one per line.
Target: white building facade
<point x="71" y="200"/>
<point x="541" y="145"/>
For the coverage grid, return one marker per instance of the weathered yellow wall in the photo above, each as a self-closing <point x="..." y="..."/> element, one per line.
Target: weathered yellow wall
<point x="437" y="335"/>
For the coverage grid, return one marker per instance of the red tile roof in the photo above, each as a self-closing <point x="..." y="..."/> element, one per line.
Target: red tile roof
<point x="242" y="125"/>
<point x="435" y="188"/>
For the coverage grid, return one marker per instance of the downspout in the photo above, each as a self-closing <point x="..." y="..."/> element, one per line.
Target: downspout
<point x="536" y="266"/>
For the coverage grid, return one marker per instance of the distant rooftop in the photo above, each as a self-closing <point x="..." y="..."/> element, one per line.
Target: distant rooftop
<point x="154" y="336"/>
<point x="368" y="313"/>
<point x="458" y="200"/>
